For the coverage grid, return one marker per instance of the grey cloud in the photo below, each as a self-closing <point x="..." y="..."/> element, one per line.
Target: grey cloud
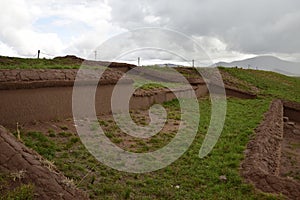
<point x="258" y="26"/>
<point x="152" y="43"/>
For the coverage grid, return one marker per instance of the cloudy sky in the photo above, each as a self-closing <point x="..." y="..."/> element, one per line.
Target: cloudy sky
<point x="226" y="29"/>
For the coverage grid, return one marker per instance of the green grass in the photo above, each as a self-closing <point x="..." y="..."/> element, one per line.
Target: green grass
<point x="160" y="69"/>
<point x="197" y="178"/>
<point x="41" y="143"/>
<point x="33" y="63"/>
<point x="270" y="83"/>
<point x="189" y="177"/>
<point x="23" y="192"/>
<point x="146" y="84"/>
<point x="10" y="190"/>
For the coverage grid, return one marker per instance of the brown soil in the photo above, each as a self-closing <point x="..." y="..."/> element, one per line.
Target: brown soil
<point x="30" y="168"/>
<point x="292" y="110"/>
<point x="265" y="156"/>
<point x="290" y="159"/>
<point x="242" y="94"/>
<point x="128" y="142"/>
<point x="141" y="117"/>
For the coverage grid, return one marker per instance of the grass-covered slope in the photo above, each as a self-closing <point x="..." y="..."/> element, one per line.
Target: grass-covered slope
<point x="269" y="83"/>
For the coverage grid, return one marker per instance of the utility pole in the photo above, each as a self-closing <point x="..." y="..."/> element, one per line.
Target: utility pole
<point x="95" y="55"/>
<point x="39" y="51"/>
<point x="139" y="61"/>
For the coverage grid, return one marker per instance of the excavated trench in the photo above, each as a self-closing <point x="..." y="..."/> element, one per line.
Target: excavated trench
<point x="272" y="157"/>
<point x="290" y="157"/>
<point x="28" y="95"/>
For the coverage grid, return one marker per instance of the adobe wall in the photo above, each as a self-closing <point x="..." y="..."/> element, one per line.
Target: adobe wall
<point x="38" y="94"/>
<point x="42" y="95"/>
<point x="261" y="165"/>
<point x="232" y="92"/>
<point x="43" y="104"/>
<point x="144" y="101"/>
<point x="29" y="95"/>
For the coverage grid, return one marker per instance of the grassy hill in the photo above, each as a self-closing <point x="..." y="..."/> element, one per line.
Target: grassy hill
<point x="270" y="84"/>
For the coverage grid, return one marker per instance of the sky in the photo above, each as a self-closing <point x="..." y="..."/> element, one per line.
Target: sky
<point x="226" y="30"/>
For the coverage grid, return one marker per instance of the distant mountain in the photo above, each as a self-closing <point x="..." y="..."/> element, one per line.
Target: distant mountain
<point x="269" y="63"/>
<point x="167" y="65"/>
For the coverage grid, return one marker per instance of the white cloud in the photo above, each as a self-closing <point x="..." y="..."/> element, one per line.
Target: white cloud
<point x="218" y="50"/>
<point x="6" y="50"/>
<point x="248" y="27"/>
<point x="226" y="30"/>
<point x="57" y="28"/>
<point x="18" y="33"/>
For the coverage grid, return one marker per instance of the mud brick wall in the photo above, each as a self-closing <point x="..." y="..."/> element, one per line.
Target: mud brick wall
<point x="46" y="94"/>
<point x="265" y="154"/>
<point x="29" y="95"/>
<point x="42" y="95"/>
<point x="145" y="100"/>
<point x="262" y="156"/>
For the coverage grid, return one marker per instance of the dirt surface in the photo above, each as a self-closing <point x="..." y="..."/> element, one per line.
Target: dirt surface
<point x="263" y="165"/>
<point x="292" y="110"/>
<point x="30" y="168"/>
<point x="108" y="124"/>
<point x="242" y="94"/>
<point x="290" y="159"/>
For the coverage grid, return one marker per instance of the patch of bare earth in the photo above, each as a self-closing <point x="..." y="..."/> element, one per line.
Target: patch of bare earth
<point x="290" y="159"/>
<point x="113" y="132"/>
